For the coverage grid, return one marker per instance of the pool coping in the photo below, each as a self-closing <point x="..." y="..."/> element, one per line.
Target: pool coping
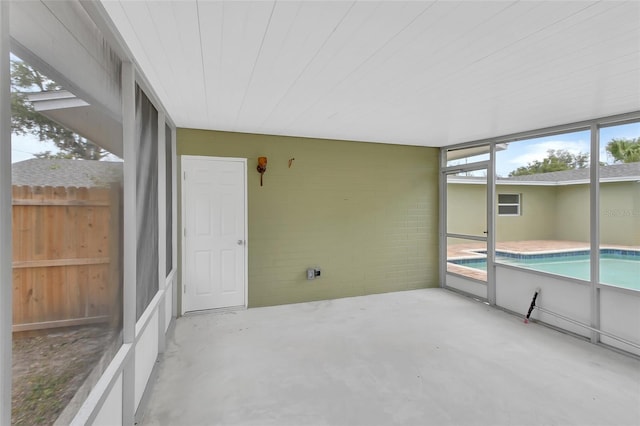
<point x="475" y="255"/>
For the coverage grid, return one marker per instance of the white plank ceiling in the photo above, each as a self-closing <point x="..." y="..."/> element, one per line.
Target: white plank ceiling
<point x="417" y="73"/>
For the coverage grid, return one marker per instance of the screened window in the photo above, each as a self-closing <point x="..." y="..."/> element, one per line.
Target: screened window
<point x="620" y="205"/>
<point x="67" y="223"/>
<point x="147" y="202"/>
<point x="509" y="204"/>
<point x="169" y="198"/>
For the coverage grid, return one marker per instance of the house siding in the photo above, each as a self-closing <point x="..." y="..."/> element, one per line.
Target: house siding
<point x="552" y="212"/>
<point x="537" y="211"/>
<point x="572" y="218"/>
<point x="366" y="214"/>
<point x="466" y="209"/>
<point x="620" y="213"/>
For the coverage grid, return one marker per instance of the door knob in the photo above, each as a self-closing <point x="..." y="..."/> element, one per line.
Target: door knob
<point x="240" y="242"/>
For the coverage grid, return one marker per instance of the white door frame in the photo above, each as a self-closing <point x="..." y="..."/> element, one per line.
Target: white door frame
<point x="489" y="239"/>
<point x="184" y="228"/>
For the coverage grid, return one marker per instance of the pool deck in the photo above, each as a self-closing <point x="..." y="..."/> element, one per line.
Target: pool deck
<point x="467" y="250"/>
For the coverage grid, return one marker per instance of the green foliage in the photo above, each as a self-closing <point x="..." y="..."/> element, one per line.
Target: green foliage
<point x="556" y="161"/>
<point x="25" y="120"/>
<point x="624" y="150"/>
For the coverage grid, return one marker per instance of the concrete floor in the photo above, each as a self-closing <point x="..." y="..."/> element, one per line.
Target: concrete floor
<point x="424" y="357"/>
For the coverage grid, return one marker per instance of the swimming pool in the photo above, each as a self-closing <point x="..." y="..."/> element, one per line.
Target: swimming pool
<point x="617" y="267"/>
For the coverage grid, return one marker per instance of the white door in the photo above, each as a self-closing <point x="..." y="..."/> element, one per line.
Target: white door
<point x="214" y="244"/>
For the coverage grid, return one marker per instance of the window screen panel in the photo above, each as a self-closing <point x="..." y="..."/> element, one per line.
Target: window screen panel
<point x="147" y="283"/>
<point x="169" y="198"/>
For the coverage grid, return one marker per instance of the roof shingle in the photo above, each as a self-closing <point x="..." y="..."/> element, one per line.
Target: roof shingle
<point x="66" y="173"/>
<point x="613" y="171"/>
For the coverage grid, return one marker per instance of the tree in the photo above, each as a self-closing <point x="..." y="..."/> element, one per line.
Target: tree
<point x="25" y="120"/>
<point x="556" y="161"/>
<point x="624" y="150"/>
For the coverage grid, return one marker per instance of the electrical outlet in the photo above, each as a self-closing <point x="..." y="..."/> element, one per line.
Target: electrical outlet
<point x="313" y="273"/>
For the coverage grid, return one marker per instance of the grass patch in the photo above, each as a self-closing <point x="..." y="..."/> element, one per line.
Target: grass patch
<point x="48" y="368"/>
<point x="41" y="399"/>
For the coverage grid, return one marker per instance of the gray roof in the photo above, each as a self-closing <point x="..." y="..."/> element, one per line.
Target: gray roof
<point x="613" y="171"/>
<point x="67" y="173"/>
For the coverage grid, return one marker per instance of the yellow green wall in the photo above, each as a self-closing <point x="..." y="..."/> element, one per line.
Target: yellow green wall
<point x="572" y="218"/>
<point x="466" y="212"/>
<point x="466" y="209"/>
<point x="620" y="213"/>
<point x="366" y="214"/>
<point x="552" y="212"/>
<point x="537" y="204"/>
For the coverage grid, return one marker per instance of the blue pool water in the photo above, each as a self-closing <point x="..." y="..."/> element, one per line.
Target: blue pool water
<point x="617" y="267"/>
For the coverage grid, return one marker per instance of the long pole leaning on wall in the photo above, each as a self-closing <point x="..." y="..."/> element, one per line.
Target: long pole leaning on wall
<point x="5" y="219"/>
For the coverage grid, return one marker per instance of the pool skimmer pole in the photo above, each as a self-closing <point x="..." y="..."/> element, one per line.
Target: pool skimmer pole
<point x="533" y="306"/>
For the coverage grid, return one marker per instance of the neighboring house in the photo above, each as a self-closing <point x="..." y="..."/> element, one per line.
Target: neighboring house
<point x="552" y="206"/>
<point x="66" y="173"/>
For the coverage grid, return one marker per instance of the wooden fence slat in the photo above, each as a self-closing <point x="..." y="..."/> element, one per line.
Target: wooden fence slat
<point x="60" y="262"/>
<point x="60" y="323"/>
<point x="60" y="203"/>
<point x="66" y="256"/>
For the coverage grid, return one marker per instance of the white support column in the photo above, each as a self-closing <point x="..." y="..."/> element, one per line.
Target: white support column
<point x="442" y="263"/>
<point x="130" y="224"/>
<point x="491" y="226"/>
<point x="594" y="226"/>
<point x="174" y="227"/>
<point x="162" y="228"/>
<point x="5" y="219"/>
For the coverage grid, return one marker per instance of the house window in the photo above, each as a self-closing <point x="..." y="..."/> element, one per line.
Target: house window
<point x="509" y="204"/>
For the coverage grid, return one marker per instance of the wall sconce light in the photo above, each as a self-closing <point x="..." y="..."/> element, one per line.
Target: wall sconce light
<point x="262" y="167"/>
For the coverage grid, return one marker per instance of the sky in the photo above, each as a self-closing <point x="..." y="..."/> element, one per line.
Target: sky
<point x="24" y="147"/>
<point x="523" y="152"/>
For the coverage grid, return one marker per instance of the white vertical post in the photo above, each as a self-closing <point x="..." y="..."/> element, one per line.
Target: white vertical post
<point x="594" y="226"/>
<point x="491" y="225"/>
<point x="130" y="232"/>
<point x="5" y="219"/>
<point x="162" y="229"/>
<point x="442" y="263"/>
<point x="174" y="227"/>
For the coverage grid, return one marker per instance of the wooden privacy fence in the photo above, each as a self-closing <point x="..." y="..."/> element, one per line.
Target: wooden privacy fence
<point x="66" y="256"/>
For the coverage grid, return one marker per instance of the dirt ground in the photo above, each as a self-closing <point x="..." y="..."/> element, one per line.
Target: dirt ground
<point x="48" y="368"/>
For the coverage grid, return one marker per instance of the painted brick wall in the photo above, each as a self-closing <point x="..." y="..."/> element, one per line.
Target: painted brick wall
<point x="367" y="214"/>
